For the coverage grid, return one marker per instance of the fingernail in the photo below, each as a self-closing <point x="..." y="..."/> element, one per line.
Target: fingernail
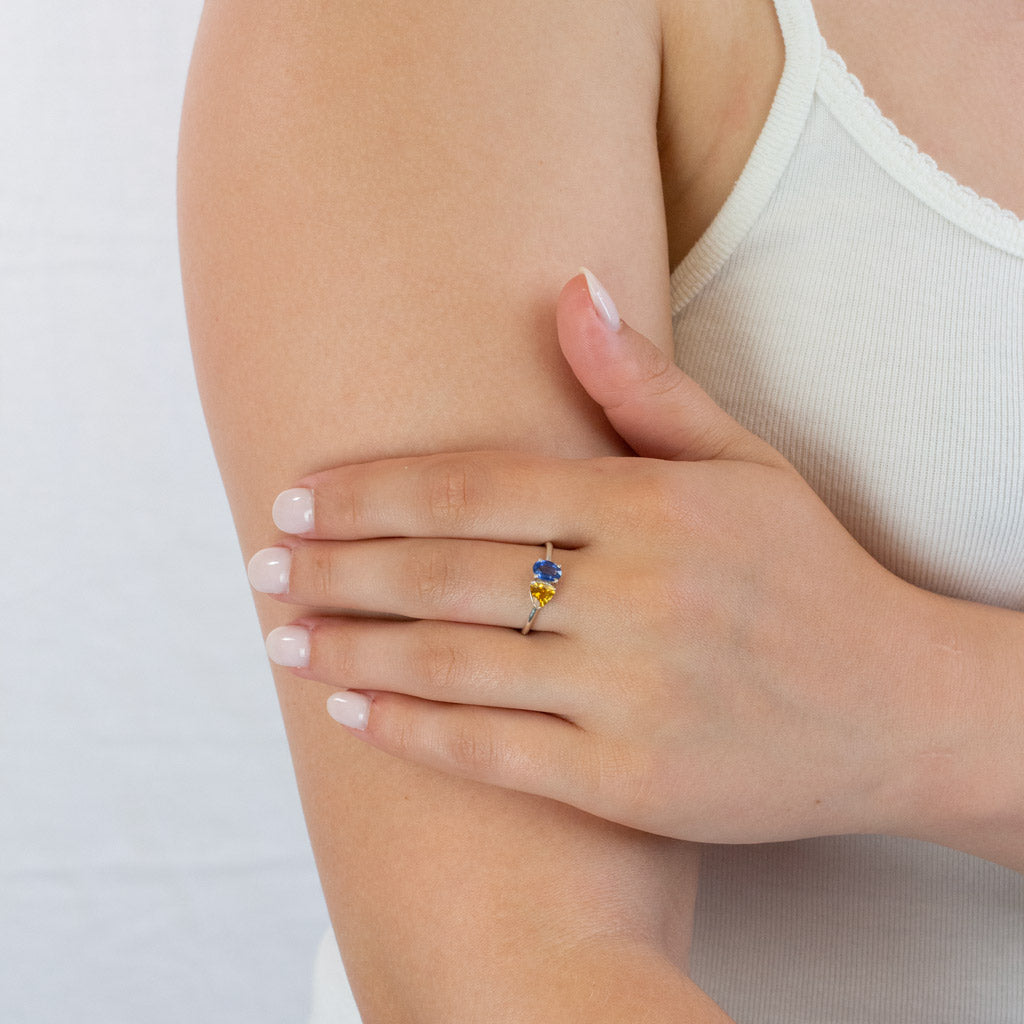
<point x="351" y="709"/>
<point x="289" y="646"/>
<point x="293" y="510"/>
<point x="268" y="570"/>
<point x="602" y="300"/>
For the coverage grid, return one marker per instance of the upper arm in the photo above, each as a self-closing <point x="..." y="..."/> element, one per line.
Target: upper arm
<point x="405" y="187"/>
<point x="379" y="205"/>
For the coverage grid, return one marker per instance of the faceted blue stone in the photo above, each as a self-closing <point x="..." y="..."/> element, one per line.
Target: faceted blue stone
<point x="548" y="571"/>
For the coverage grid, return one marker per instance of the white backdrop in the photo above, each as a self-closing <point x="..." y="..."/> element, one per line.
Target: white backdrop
<point x="153" y="862"/>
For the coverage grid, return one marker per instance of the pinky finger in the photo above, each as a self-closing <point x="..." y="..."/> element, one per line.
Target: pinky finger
<point x="521" y="750"/>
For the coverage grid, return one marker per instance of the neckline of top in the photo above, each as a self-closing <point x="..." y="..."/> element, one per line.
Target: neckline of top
<point x="900" y="156"/>
<point x="811" y="68"/>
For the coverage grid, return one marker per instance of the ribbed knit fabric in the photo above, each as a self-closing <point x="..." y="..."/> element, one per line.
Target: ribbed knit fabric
<point x="864" y="313"/>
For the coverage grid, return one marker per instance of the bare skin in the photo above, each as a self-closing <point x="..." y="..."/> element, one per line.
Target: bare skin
<point x="370" y="270"/>
<point x="919" y="62"/>
<point x="950" y="75"/>
<point x="708" y="121"/>
<point x="713" y="656"/>
<point x="355" y="292"/>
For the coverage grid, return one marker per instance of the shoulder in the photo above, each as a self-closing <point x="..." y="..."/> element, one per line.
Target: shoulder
<point x="350" y="168"/>
<point x="451" y="80"/>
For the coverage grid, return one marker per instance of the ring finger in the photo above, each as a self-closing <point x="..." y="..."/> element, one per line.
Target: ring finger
<point x="481" y="582"/>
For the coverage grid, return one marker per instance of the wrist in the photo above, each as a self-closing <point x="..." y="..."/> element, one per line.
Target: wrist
<point x="964" y="783"/>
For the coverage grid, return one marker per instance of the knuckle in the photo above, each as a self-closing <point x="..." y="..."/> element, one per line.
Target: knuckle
<point x="338" y="654"/>
<point x="432" y="577"/>
<point x="614" y="773"/>
<point x="403" y="738"/>
<point x="452" y="488"/>
<point x="340" y="496"/>
<point x="664" y="500"/>
<point x="637" y="792"/>
<point x="610" y="482"/>
<point x="652" y="611"/>
<point x="602" y="773"/>
<point x="321" y="582"/>
<point x="645" y="493"/>
<point x="351" y="510"/>
<point x="657" y="376"/>
<point x="660" y="377"/>
<point x="473" y="753"/>
<point x="443" y="666"/>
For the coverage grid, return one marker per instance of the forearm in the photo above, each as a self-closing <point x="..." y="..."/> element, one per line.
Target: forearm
<point x="965" y="786"/>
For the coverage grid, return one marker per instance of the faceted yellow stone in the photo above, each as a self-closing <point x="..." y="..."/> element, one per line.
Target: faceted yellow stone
<point x="541" y="592"/>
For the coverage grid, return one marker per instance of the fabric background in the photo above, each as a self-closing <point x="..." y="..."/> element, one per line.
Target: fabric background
<point x="153" y="861"/>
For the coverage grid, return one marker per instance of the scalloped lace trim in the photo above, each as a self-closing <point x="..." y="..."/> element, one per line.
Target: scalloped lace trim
<point x="927" y="169"/>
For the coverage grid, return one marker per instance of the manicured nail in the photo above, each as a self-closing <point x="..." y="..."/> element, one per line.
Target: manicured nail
<point x="289" y="646"/>
<point x="268" y="570"/>
<point x="602" y="300"/>
<point x="351" y="709"/>
<point x="293" y="510"/>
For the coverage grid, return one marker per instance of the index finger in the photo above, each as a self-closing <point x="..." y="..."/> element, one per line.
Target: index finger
<point x="505" y="496"/>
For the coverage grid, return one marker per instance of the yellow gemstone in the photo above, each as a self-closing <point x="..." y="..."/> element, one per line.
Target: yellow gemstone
<point x="541" y="592"/>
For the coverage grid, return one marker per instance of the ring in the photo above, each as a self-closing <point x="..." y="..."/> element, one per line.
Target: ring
<point x="546" y="575"/>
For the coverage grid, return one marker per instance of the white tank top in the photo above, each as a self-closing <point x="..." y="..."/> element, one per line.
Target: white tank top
<point x="864" y="313"/>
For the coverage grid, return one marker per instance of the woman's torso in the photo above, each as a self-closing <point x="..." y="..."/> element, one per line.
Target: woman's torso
<point x="949" y="74"/>
<point x="846" y="299"/>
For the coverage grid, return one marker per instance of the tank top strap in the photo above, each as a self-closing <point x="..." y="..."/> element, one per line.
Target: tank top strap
<point x="769" y="157"/>
<point x="796" y="12"/>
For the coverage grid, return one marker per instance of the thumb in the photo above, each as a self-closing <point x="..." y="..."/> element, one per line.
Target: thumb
<point x="657" y="409"/>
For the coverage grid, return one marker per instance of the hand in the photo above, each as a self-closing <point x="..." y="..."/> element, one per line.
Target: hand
<point x="722" y="662"/>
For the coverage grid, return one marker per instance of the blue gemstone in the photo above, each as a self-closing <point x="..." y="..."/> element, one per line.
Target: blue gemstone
<point x="549" y="572"/>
